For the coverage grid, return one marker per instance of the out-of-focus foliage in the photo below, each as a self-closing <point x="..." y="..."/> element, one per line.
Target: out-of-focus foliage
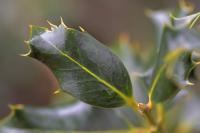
<point x="161" y="78"/>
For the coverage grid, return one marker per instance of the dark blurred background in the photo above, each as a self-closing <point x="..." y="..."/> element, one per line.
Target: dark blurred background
<point x="29" y="82"/>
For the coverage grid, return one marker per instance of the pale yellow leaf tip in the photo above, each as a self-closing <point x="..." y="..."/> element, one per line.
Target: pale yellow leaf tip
<point x="189" y="83"/>
<point x="26" y="54"/>
<point x="81" y="28"/>
<point x="29" y="52"/>
<point x="57" y="92"/>
<point x="62" y="22"/>
<point x="27" y="42"/>
<point x="53" y="26"/>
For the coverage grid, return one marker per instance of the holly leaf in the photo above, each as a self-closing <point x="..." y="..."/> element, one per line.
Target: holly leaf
<point x="170" y="76"/>
<point x="84" y="67"/>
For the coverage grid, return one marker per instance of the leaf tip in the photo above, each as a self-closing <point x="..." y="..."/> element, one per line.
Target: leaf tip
<point x="62" y="22"/>
<point x="29" y="52"/>
<point x="53" y="26"/>
<point x="26" y="54"/>
<point x="189" y="83"/>
<point x="81" y="28"/>
<point x="57" y="91"/>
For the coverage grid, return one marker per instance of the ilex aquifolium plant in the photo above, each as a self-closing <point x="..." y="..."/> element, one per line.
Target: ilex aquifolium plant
<point x="101" y="77"/>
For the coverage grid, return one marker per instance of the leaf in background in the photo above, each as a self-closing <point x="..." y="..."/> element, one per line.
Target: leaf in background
<point x="159" y="19"/>
<point x="76" y="117"/>
<point x="130" y="54"/>
<point x="84" y="67"/>
<point x="162" y="18"/>
<point x="13" y="129"/>
<point x="140" y="85"/>
<point x="175" y="35"/>
<point x="185" y="21"/>
<point x="66" y="117"/>
<point x="79" y="116"/>
<point x="127" y="53"/>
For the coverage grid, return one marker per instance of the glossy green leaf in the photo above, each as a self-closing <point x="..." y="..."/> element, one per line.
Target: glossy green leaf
<point x="84" y="67"/>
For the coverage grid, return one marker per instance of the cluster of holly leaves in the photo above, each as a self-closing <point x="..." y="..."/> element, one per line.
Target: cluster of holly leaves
<point x="103" y="80"/>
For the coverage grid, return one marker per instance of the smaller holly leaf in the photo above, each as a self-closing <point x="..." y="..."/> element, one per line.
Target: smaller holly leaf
<point x="84" y="67"/>
<point x="173" y="75"/>
<point x="170" y="77"/>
